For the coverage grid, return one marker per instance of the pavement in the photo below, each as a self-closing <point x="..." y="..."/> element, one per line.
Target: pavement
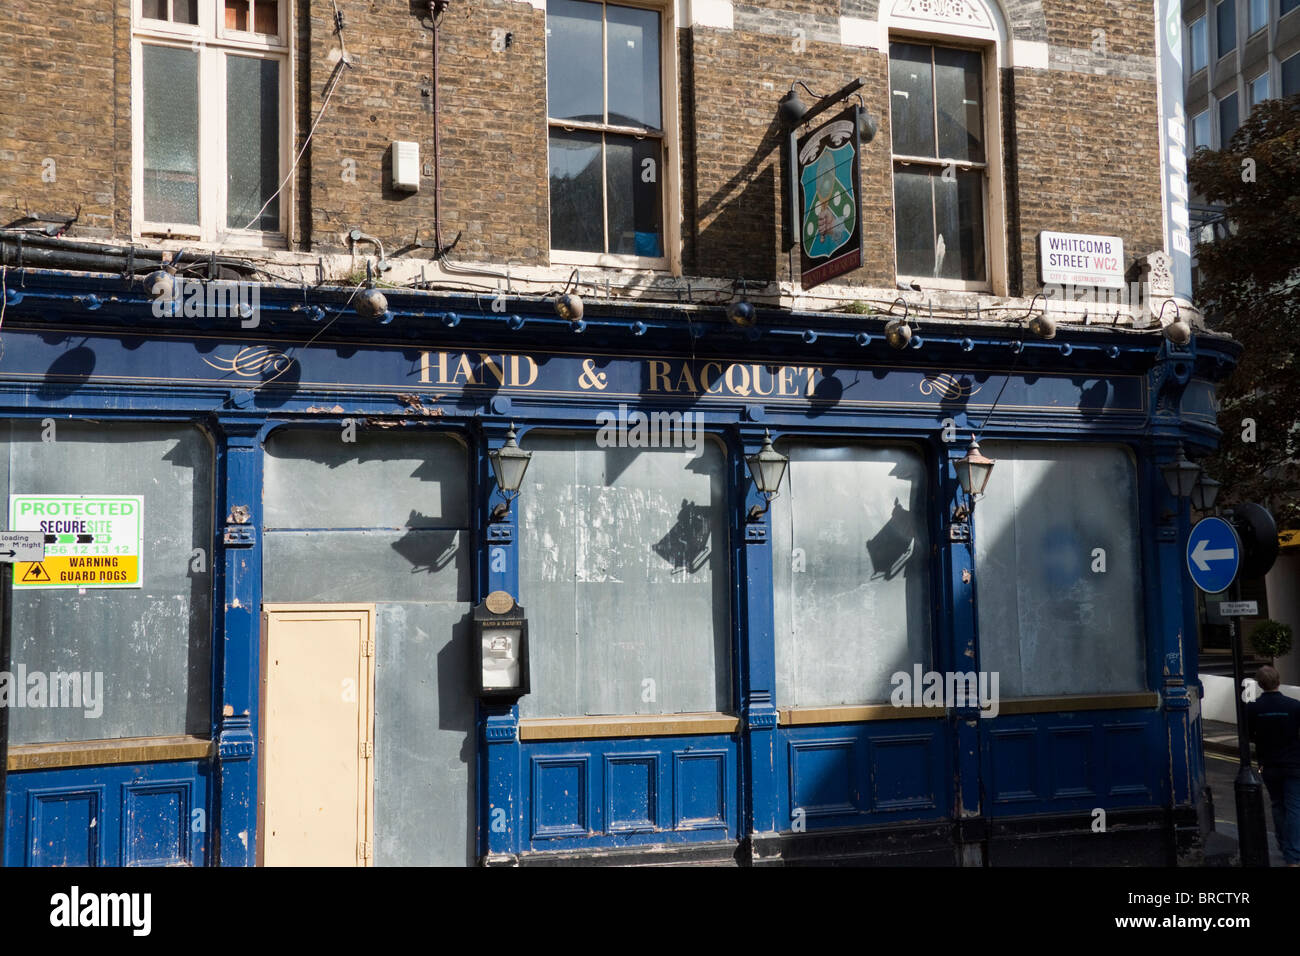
<point x="1221" y="764"/>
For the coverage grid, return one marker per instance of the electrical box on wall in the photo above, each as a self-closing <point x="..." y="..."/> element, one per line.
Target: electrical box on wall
<point x="406" y="166"/>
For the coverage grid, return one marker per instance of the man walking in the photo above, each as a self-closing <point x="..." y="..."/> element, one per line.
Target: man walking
<point x="1274" y="722"/>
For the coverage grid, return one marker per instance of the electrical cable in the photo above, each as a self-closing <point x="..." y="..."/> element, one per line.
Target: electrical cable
<point x="329" y="92"/>
<point x="321" y="331"/>
<point x="1015" y="362"/>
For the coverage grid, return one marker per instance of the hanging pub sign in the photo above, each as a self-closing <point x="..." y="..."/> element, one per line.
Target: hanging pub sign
<point x="830" y="221"/>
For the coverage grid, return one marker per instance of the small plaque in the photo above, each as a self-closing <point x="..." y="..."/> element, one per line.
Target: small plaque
<point x="499" y="602"/>
<point x="1239" y="608"/>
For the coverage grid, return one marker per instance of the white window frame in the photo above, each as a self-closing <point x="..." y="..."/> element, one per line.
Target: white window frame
<point x="213" y="43"/>
<point x="994" y="205"/>
<point x="670" y="162"/>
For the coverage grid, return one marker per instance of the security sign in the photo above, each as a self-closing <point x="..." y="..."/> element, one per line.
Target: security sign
<point x="91" y="541"/>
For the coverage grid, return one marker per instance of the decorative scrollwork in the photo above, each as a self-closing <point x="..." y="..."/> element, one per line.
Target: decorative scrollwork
<point x="947" y="387"/>
<point x="252" y="361"/>
<point x="944" y="11"/>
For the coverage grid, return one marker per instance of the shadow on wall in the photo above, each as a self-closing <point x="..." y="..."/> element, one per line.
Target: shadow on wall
<point x="741" y="236"/>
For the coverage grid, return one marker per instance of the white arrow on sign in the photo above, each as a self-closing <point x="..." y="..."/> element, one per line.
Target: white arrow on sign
<point x="1202" y="554"/>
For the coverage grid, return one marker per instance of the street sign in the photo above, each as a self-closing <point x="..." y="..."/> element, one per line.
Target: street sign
<point x="91" y="541"/>
<point x="1238" y="608"/>
<point x="1213" y="555"/>
<point x="21" y="546"/>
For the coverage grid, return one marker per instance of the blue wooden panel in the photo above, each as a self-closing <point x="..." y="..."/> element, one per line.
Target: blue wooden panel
<point x="1073" y="767"/>
<point x="1014" y="766"/>
<point x="1128" y="752"/>
<point x="902" y="772"/>
<point x="1051" y="763"/>
<point x="631" y="792"/>
<point x="122" y="815"/>
<point x="700" y="790"/>
<point x="593" y="794"/>
<point x="66" y="825"/>
<point x="156" y="823"/>
<point x="864" y="774"/>
<point x="824" y="777"/>
<point x="560" y="797"/>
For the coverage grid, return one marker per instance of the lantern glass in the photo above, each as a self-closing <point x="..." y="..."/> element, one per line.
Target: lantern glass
<point x="974" y="470"/>
<point x="767" y="467"/>
<point x="1204" y="493"/>
<point x="509" y="462"/>
<point x="1180" y="475"/>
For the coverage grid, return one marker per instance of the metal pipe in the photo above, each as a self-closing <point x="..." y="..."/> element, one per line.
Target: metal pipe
<point x="25" y="249"/>
<point x="437" y="147"/>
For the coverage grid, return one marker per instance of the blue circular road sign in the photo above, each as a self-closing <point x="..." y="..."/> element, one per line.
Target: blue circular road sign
<point x="1213" y="555"/>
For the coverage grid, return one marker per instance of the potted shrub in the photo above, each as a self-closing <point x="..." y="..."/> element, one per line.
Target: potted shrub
<point x="1271" y="639"/>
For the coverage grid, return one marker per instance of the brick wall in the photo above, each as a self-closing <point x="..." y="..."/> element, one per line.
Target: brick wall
<point x="493" y="128"/>
<point x="1080" y="139"/>
<point x="64" y="141"/>
<point x="740" y="167"/>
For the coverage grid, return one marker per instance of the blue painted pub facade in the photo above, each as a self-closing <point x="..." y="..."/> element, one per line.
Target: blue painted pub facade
<point x="742" y="724"/>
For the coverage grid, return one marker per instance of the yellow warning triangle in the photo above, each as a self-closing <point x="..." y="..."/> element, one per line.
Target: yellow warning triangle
<point x="36" y="572"/>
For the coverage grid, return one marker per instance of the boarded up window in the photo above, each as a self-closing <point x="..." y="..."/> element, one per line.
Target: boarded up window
<point x="623" y="572"/>
<point x="850" y="548"/>
<point x="385" y="519"/>
<point x="150" y="648"/>
<point x="1058" y="578"/>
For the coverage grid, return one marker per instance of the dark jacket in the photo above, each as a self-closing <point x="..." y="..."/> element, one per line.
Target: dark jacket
<point x="1274" y="722"/>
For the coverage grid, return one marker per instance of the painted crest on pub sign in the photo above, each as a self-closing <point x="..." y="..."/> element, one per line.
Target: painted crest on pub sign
<point x="830" y="228"/>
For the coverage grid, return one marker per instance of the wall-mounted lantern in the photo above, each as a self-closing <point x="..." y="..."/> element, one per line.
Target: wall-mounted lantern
<point x="1204" y="492"/>
<point x="973" y="472"/>
<point x="501" y="633"/>
<point x="509" y="462"/>
<point x="767" y="468"/>
<point x="1180" y="475"/>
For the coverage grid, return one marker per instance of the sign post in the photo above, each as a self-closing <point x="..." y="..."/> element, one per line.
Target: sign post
<point x="1214" y="556"/>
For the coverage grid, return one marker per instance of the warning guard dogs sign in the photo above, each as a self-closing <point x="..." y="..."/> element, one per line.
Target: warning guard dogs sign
<point x="91" y="541"/>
